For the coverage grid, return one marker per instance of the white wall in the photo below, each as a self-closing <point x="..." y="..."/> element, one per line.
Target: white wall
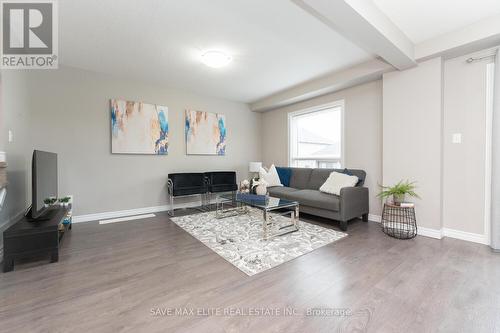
<point x="363" y="133"/>
<point x="68" y="111"/>
<point x="464" y="165"/>
<point x="412" y="122"/>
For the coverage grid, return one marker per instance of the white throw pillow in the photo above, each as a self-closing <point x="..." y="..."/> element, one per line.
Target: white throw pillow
<point x="336" y="181"/>
<point x="270" y="177"/>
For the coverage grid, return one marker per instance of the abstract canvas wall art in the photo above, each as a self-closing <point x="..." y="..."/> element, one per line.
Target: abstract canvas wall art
<point x="138" y="128"/>
<point x="206" y="133"/>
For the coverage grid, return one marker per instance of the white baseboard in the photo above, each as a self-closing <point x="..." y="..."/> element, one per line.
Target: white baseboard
<point x="429" y="232"/>
<point x="127" y="218"/>
<point x="421" y="231"/>
<point x="456" y="234"/>
<point x="374" y="218"/>
<point x="451" y="233"/>
<point x="466" y="236"/>
<point x="130" y="212"/>
<point x="444" y="232"/>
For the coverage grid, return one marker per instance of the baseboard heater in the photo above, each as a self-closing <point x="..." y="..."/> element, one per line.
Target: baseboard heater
<point x="127" y="218"/>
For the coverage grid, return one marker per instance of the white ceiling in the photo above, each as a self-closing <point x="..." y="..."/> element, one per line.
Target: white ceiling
<point x="424" y="19"/>
<point x="274" y="44"/>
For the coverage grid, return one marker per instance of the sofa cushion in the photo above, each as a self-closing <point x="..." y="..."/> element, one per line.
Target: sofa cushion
<point x="281" y="191"/>
<point x="361" y="174"/>
<point x="221" y="181"/>
<point x="221" y="177"/>
<point x="270" y="177"/>
<point x="318" y="178"/>
<point x="187" y="183"/>
<point x="190" y="190"/>
<point x="316" y="199"/>
<point x="222" y="188"/>
<point x="337" y="181"/>
<point x="300" y="178"/>
<point x="187" y="179"/>
<point x="349" y="173"/>
<point x="284" y="174"/>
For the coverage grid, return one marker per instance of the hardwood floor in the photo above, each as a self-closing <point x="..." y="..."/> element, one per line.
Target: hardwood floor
<point x="110" y="277"/>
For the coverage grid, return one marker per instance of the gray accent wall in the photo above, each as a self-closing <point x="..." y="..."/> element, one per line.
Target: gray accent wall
<point x="67" y="111"/>
<point x="14" y="115"/>
<point x="362" y="128"/>
<point x="413" y="135"/>
<point x="423" y="107"/>
<point x="464" y="164"/>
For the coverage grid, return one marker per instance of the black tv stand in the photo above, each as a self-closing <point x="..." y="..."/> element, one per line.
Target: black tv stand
<point x="29" y="239"/>
<point x="47" y="214"/>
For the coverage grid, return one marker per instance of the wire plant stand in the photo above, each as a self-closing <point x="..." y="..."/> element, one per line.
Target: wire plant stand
<point x="399" y="222"/>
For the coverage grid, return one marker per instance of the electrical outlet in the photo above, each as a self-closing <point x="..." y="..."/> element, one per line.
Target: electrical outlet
<point x="456" y="138"/>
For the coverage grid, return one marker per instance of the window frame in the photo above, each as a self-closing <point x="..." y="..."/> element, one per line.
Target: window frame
<point x="318" y="108"/>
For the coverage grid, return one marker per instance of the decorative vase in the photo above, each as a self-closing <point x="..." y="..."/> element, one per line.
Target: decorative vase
<point x="398" y="198"/>
<point x="261" y="189"/>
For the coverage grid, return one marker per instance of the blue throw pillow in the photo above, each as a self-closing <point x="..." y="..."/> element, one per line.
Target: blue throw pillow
<point x="284" y="174"/>
<point x="349" y="173"/>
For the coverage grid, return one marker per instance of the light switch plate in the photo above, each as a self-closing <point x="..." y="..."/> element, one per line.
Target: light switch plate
<point x="456" y="138"/>
<point x="11" y="136"/>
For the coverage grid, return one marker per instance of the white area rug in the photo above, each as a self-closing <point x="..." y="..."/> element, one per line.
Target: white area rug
<point x="239" y="239"/>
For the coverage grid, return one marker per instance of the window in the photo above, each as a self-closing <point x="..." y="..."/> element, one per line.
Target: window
<point x="315" y="137"/>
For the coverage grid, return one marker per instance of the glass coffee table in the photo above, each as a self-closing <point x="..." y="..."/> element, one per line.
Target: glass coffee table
<point x="228" y="205"/>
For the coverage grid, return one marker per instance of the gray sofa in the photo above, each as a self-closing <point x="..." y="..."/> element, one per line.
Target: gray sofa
<point x="304" y="188"/>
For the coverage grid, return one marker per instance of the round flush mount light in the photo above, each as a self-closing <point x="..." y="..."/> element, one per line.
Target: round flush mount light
<point x="215" y="58"/>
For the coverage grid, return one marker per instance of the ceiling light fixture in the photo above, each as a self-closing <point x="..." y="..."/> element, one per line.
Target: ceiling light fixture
<point x="215" y="59"/>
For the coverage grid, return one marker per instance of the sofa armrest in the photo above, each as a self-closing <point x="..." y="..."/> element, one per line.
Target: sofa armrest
<point x="353" y="202"/>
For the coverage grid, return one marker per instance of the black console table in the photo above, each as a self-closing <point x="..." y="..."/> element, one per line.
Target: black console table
<point x="28" y="239"/>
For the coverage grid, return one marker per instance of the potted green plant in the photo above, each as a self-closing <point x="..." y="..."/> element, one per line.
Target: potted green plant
<point x="49" y="201"/>
<point x="65" y="201"/>
<point x="398" y="191"/>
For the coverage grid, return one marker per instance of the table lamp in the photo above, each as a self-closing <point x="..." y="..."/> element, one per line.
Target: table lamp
<point x="254" y="167"/>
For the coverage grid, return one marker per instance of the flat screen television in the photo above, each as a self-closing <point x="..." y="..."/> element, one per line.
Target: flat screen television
<point x="43" y="182"/>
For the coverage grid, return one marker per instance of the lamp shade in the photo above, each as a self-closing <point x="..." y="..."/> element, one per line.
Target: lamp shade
<point x="254" y="166"/>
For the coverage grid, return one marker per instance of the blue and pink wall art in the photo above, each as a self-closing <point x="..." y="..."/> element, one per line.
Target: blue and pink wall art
<point x="138" y="128"/>
<point x="206" y="133"/>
